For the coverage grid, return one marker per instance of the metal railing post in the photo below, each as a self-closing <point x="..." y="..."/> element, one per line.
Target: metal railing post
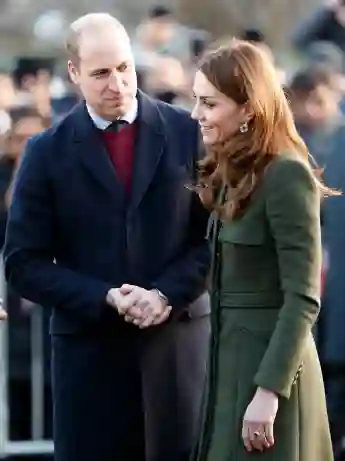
<point x="37" y="374"/>
<point x="4" y="424"/>
<point x="36" y="445"/>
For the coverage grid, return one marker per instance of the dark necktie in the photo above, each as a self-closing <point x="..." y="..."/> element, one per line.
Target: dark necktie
<point x="117" y="125"/>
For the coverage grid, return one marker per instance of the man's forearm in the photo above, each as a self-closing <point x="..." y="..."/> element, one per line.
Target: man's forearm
<point x="51" y="285"/>
<point x="185" y="280"/>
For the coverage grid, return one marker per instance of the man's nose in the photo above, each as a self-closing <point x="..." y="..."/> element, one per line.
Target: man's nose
<point x="115" y="82"/>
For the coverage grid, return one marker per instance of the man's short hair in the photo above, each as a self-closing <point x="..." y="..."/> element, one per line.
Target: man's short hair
<point x="253" y="35"/>
<point x="159" y="11"/>
<point x="92" y="22"/>
<point x="307" y="80"/>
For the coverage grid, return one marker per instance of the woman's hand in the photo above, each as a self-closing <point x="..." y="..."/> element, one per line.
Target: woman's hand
<point x="257" y="429"/>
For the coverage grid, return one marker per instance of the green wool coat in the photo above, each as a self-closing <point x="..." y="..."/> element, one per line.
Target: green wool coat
<point x="265" y="300"/>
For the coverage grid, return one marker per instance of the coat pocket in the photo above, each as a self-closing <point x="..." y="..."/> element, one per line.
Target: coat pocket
<point x="243" y="232"/>
<point x="260" y="323"/>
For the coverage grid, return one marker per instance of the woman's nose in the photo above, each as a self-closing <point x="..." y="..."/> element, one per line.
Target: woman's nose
<point x="195" y="113"/>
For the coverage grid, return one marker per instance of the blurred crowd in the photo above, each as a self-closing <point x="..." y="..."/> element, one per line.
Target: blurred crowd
<point x="35" y="95"/>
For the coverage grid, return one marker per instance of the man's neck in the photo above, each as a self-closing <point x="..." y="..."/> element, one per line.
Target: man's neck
<point x="102" y="123"/>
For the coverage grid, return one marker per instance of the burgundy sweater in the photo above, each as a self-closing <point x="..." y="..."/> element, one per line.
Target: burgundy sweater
<point x="120" y="147"/>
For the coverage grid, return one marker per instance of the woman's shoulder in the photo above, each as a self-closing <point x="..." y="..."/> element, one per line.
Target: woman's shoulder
<point x="288" y="169"/>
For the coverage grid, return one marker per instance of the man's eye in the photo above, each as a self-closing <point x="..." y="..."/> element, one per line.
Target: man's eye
<point x="101" y="73"/>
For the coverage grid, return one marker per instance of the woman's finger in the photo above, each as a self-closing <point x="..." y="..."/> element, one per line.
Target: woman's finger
<point x="269" y="433"/>
<point x="245" y="436"/>
<point x="257" y="436"/>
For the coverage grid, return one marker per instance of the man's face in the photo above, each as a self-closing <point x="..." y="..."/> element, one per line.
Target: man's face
<point x="161" y="30"/>
<point x="316" y="108"/>
<point x="23" y="130"/>
<point x="105" y="73"/>
<point x="7" y="91"/>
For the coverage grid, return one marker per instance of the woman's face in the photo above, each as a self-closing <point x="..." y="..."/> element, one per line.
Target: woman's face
<point x="219" y="117"/>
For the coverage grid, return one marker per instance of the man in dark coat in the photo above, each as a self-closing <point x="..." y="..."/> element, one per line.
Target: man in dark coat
<point x="103" y="230"/>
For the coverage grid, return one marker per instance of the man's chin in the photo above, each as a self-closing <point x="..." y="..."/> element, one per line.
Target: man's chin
<point x="113" y="114"/>
<point x="116" y="110"/>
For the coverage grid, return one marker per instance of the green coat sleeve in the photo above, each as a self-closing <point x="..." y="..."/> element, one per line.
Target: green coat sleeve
<point x="293" y="211"/>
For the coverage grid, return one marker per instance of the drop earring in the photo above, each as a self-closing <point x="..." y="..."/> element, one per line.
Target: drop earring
<point x="244" y="127"/>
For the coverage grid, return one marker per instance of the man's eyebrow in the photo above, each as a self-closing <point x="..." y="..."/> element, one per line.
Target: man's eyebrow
<point x="105" y="69"/>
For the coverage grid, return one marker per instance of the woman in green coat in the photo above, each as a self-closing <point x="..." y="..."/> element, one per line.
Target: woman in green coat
<point x="265" y="396"/>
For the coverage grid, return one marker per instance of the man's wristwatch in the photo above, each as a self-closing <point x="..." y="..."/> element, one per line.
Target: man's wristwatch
<point x="161" y="296"/>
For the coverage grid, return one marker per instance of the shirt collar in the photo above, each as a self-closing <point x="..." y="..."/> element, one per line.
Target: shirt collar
<point x="103" y="124"/>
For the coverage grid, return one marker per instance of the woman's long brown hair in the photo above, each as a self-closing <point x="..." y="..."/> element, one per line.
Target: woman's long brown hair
<point x="245" y="74"/>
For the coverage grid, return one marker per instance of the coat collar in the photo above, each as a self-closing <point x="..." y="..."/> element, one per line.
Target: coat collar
<point x="102" y="124"/>
<point x="149" y="147"/>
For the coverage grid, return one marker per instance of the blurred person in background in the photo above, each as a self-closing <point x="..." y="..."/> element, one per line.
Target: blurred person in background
<point x="63" y="96"/>
<point x="8" y="98"/>
<point x="167" y="81"/>
<point x="329" y="56"/>
<point x="160" y="35"/>
<point x="165" y="53"/>
<point x="258" y="38"/>
<point x="161" y="48"/>
<point x="326" y="24"/>
<point x="8" y="93"/>
<point x="103" y="231"/>
<point x="25" y="122"/>
<point x="5" y="126"/>
<point x="315" y="100"/>
<point x="37" y="85"/>
<point x="3" y="313"/>
<point x="34" y="91"/>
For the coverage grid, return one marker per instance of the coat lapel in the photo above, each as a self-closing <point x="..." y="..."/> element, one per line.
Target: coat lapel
<point x="92" y="153"/>
<point x="149" y="148"/>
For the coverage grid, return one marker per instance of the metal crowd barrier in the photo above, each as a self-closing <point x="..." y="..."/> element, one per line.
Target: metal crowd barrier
<point x="36" y="445"/>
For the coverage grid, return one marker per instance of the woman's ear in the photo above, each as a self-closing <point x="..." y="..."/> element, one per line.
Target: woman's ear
<point x="247" y="113"/>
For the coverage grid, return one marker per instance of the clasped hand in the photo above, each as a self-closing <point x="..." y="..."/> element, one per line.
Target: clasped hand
<point x="139" y="306"/>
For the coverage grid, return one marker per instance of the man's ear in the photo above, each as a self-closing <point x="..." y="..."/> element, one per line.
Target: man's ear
<point x="73" y="72"/>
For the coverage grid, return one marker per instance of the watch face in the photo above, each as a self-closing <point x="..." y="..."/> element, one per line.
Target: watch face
<point x="160" y="294"/>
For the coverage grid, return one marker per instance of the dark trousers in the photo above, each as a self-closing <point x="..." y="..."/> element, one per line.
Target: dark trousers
<point x="135" y="398"/>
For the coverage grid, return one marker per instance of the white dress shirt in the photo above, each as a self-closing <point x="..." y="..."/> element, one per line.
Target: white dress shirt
<point x="103" y="124"/>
